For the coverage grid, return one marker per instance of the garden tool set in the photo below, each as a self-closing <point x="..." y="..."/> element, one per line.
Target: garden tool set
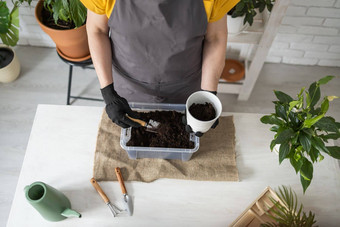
<point x="126" y="199"/>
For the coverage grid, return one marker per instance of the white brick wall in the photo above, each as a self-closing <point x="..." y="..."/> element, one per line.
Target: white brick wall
<point x="317" y="36"/>
<point x="309" y="33"/>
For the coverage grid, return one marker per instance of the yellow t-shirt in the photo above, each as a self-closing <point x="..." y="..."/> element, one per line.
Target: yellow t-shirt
<point x="215" y="9"/>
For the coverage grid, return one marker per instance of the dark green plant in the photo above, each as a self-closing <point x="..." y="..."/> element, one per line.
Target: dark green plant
<point x="66" y="11"/>
<point x="9" y="22"/>
<point x="247" y="8"/>
<point x="289" y="215"/>
<point x="302" y="129"/>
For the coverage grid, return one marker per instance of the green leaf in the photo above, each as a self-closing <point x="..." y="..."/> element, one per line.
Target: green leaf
<point x="319" y="144"/>
<point x="240" y="6"/>
<point x="325" y="79"/>
<point x="306" y="170"/>
<point x="294" y="103"/>
<point x="285" y="136"/>
<point x="327" y="124"/>
<point x="314" y="154"/>
<point x="334" y="151"/>
<point x="271" y="119"/>
<point x="283" y="97"/>
<point x="274" y="128"/>
<point x="309" y="122"/>
<point x="296" y="163"/>
<point x="325" y="105"/>
<point x="305" y="183"/>
<point x="281" y="111"/>
<point x="294" y="119"/>
<point x="4" y="18"/>
<point x="314" y="92"/>
<point x="78" y="12"/>
<point x="305" y="141"/>
<point x="333" y="136"/>
<point x="284" y="151"/>
<point x="272" y="145"/>
<point x="11" y="37"/>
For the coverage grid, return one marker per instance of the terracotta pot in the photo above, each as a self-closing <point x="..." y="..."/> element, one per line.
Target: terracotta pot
<point x="11" y="71"/>
<point x="71" y="44"/>
<point x="233" y="71"/>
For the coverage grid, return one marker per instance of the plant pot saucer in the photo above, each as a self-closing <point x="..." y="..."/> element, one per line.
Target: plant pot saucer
<point x="233" y="71"/>
<point x="73" y="59"/>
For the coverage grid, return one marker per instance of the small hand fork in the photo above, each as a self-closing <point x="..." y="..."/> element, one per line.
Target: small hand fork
<point x="115" y="210"/>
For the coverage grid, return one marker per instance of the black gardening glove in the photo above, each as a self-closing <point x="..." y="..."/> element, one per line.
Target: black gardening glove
<point x="117" y="108"/>
<point x="189" y="129"/>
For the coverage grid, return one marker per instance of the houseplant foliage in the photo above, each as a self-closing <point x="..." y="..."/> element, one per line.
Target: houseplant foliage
<point x="248" y="8"/>
<point x="9" y="22"/>
<point x="66" y="14"/>
<point x="302" y="129"/>
<point x="289" y="213"/>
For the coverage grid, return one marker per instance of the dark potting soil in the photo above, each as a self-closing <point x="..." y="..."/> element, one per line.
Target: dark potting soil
<point x="171" y="131"/>
<point x="49" y="21"/>
<point x="203" y="112"/>
<point x="6" y="56"/>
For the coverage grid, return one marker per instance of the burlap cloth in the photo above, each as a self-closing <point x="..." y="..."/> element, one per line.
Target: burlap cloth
<point x="214" y="161"/>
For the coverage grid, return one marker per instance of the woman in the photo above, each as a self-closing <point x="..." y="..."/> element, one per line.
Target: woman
<point x="155" y="50"/>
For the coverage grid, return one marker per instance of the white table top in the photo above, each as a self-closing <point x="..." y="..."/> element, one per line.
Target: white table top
<point x="60" y="153"/>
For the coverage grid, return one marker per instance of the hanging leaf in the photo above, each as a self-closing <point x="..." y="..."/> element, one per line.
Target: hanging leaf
<point x="272" y="145"/>
<point x="296" y="163"/>
<point x="333" y="136"/>
<point x="305" y="183"/>
<point x="314" y="154"/>
<point x="325" y="105"/>
<point x="305" y="141"/>
<point x="284" y="151"/>
<point x="283" y="97"/>
<point x="307" y="170"/>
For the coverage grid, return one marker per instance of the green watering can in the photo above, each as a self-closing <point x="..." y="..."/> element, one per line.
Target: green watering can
<point x="49" y="202"/>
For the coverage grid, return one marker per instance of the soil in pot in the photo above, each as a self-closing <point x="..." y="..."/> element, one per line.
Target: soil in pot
<point x="6" y="57"/>
<point x="171" y="132"/>
<point x="203" y="112"/>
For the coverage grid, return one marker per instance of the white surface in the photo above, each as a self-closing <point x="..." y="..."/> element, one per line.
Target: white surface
<point x="61" y="151"/>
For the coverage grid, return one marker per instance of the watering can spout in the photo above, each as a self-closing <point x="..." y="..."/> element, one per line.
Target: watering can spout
<point x="70" y="213"/>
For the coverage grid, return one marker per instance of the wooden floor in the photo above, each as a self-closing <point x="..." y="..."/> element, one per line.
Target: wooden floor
<point x="43" y="80"/>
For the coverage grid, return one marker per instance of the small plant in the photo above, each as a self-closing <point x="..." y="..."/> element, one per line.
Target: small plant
<point x="9" y="22"/>
<point x="247" y="8"/>
<point x="288" y="214"/>
<point x="302" y="129"/>
<point x="65" y="14"/>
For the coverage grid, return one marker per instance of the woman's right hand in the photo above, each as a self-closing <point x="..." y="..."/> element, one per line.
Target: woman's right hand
<point x="117" y="108"/>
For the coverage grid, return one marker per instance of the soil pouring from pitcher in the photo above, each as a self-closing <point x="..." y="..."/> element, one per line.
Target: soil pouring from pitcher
<point x="202" y="112"/>
<point x="171" y="131"/>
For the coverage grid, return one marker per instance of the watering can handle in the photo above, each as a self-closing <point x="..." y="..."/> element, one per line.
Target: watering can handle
<point x="99" y="190"/>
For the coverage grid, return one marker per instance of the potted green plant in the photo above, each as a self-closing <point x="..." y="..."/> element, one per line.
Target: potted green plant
<point x="242" y="15"/>
<point x="302" y="129"/>
<point x="65" y="22"/>
<point x="289" y="213"/>
<point x="9" y="35"/>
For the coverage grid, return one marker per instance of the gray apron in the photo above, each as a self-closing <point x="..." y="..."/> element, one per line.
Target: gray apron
<point x="157" y="48"/>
